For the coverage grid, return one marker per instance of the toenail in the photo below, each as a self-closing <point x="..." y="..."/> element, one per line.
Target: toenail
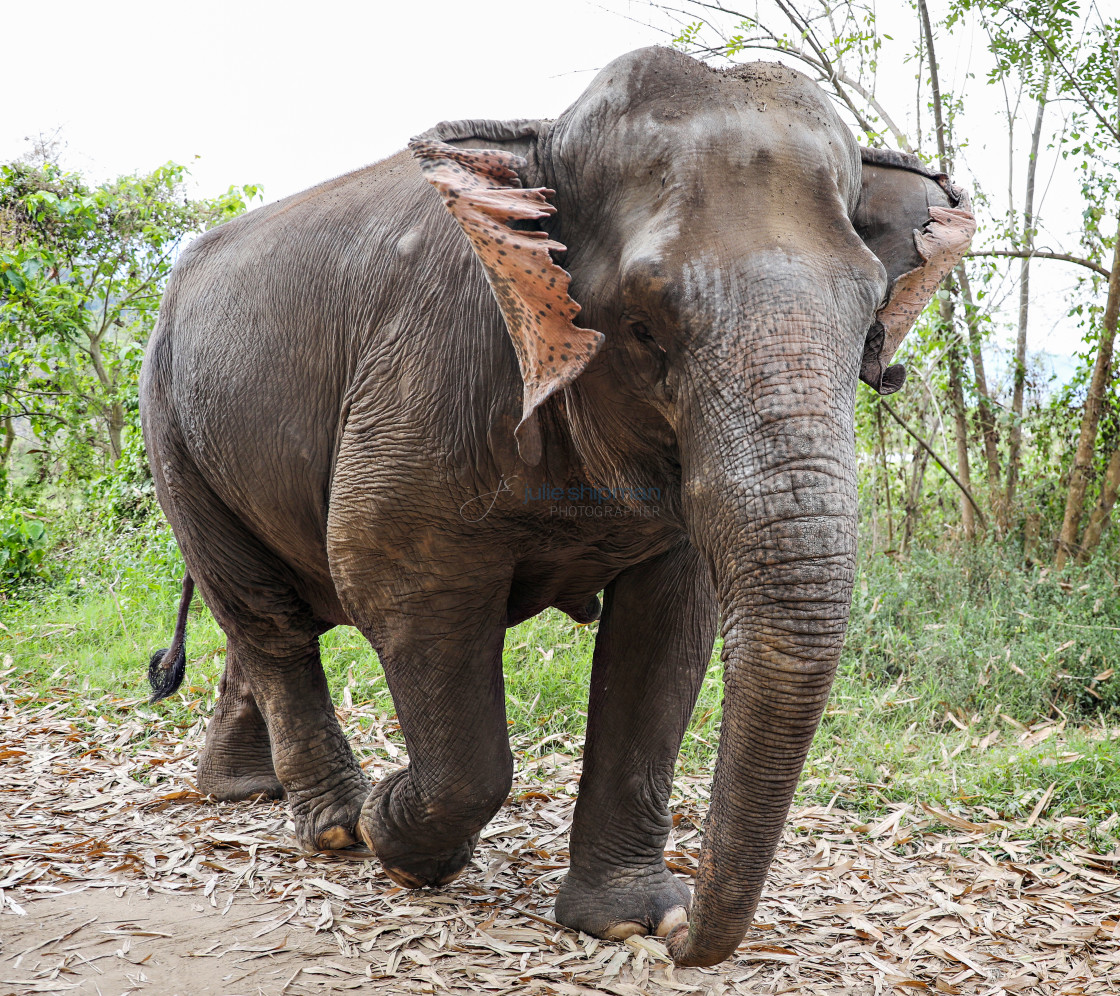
<point x="335" y="839"/>
<point x="674" y="918"/>
<point x="628" y="928"/>
<point x="402" y="878"/>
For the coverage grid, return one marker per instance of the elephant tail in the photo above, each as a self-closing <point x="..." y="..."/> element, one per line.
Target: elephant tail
<point x="167" y="666"/>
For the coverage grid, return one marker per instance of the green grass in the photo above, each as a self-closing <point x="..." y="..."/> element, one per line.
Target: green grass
<point x="951" y="658"/>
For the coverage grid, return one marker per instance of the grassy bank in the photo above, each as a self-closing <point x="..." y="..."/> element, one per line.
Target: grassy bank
<point x="964" y="680"/>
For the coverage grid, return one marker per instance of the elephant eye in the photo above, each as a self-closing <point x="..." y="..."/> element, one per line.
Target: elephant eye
<point x="642" y="334"/>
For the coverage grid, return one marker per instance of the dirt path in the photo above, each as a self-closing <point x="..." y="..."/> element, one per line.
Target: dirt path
<point x="116" y="877"/>
<point x="95" y="941"/>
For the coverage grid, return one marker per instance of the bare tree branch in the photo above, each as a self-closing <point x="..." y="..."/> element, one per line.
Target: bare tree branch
<point x="939" y="126"/>
<point x="828" y="71"/>
<point x="899" y="135"/>
<point x="1036" y="253"/>
<point x="811" y="38"/>
<point x="21" y="412"/>
<point x="940" y="463"/>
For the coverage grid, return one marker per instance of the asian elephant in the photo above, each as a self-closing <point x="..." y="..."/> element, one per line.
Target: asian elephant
<point x="356" y="415"/>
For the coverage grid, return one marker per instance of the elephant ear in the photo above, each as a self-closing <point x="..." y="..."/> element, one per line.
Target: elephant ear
<point x="484" y="195"/>
<point x="919" y="224"/>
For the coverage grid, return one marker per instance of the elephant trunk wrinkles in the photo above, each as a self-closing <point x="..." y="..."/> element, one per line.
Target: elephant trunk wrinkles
<point x="784" y="580"/>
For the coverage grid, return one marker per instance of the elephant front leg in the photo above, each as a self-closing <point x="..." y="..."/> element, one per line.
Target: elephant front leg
<point x="443" y="665"/>
<point x="236" y="762"/>
<point x="654" y="643"/>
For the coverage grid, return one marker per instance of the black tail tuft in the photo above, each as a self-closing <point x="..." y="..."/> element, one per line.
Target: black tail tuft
<point x="165" y="679"/>
<point x="167" y="667"/>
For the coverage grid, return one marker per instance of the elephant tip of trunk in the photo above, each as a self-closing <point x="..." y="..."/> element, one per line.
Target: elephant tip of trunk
<point x="687" y="954"/>
<point x="676" y="941"/>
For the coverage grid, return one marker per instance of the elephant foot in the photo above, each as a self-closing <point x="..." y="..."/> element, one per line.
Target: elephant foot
<point x="231" y="770"/>
<point x="624" y="903"/>
<point x="328" y="820"/>
<point x="418" y="871"/>
<point x="236" y="762"/>
<point x="402" y="855"/>
<point x="236" y="788"/>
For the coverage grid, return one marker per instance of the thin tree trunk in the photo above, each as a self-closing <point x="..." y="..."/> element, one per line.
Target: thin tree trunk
<point x="6" y="452"/>
<point x="886" y="476"/>
<point x="1032" y="526"/>
<point x="1098" y="518"/>
<point x="115" y="423"/>
<point x="986" y="408"/>
<point x="956" y="389"/>
<point x="1020" y="380"/>
<point x="114" y="411"/>
<point x="913" y="495"/>
<point x="940" y="463"/>
<point x="960" y="431"/>
<point x="935" y="84"/>
<point x="960" y="421"/>
<point x="1090" y="419"/>
<point x="875" y="516"/>
<point x="913" y="489"/>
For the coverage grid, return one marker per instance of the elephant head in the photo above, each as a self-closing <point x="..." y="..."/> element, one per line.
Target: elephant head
<point x="740" y="265"/>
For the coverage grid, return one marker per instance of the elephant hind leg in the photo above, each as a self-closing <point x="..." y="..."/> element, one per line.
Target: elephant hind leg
<point x="323" y="783"/>
<point x="274" y="729"/>
<point x="236" y="762"/>
<point x="275" y="711"/>
<point x="276" y="701"/>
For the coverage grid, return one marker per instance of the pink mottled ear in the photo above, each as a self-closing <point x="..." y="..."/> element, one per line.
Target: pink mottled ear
<point x="483" y="193"/>
<point x="919" y="223"/>
<point x="941" y="244"/>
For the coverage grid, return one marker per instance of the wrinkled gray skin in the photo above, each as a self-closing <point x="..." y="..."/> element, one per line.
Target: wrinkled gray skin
<point x="331" y="384"/>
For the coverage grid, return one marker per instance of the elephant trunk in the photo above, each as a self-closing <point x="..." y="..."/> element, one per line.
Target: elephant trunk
<point x="777" y="520"/>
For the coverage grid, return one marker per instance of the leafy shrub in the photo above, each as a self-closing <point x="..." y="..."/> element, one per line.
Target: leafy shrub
<point x="23" y="548"/>
<point x="978" y="633"/>
<point x="125" y="494"/>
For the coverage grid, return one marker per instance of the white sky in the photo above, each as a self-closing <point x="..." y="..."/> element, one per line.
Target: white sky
<point x="287" y="95"/>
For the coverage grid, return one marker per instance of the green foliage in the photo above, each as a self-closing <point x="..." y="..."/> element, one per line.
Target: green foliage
<point x="688" y="35"/>
<point x="23" y="548"/>
<point x="953" y="662"/>
<point x="1028" y="644"/>
<point x="125" y="494"/>
<point x="82" y="268"/>
<point x="1024" y="36"/>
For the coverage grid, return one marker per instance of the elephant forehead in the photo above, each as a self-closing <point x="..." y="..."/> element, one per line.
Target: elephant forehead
<point x="752" y="125"/>
<point x="658" y="74"/>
